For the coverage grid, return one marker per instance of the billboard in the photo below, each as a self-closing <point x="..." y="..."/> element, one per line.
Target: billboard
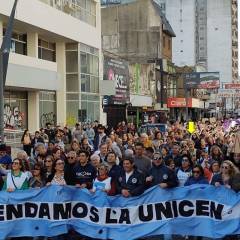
<point x="117" y="70"/>
<point x="232" y="86"/>
<point x="202" y="80"/>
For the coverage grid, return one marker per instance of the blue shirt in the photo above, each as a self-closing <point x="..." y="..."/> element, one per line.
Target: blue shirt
<point x="6" y="160"/>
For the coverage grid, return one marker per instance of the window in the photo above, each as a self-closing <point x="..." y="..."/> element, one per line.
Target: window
<point x="84" y="10"/>
<point x="46" y="50"/>
<point x="169" y="44"/>
<point x="18" y="42"/>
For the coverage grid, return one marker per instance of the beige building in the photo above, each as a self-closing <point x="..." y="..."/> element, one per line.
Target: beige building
<point x="53" y="73"/>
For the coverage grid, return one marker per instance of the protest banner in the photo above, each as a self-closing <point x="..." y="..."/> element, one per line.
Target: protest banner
<point x="201" y="210"/>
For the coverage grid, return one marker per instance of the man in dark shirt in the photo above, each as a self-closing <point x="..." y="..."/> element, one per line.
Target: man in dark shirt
<point x="160" y="174"/>
<point x="131" y="181"/>
<point x="84" y="173"/>
<point x="69" y="166"/>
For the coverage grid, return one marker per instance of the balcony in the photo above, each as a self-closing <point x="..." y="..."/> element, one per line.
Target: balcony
<point x="84" y="10"/>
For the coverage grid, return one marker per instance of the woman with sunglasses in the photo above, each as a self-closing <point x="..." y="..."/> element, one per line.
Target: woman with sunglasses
<point x="57" y="177"/>
<point x="227" y="172"/>
<point x="103" y="182"/>
<point x="37" y="180"/>
<point x="197" y="176"/>
<point x="16" y="179"/>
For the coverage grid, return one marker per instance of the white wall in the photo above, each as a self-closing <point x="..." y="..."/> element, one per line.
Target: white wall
<point x="220" y="38"/>
<point x="173" y="14"/>
<point x="48" y="18"/>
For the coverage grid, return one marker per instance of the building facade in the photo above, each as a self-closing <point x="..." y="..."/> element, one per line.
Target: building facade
<point x="138" y="32"/>
<point x="53" y="73"/>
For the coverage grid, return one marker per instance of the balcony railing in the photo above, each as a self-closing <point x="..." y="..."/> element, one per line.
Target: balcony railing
<point x="84" y="10"/>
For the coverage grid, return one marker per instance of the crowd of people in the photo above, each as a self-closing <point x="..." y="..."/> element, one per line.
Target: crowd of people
<point x="123" y="161"/>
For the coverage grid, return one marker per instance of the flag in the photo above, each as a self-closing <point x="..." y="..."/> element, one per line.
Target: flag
<point x="6" y="44"/>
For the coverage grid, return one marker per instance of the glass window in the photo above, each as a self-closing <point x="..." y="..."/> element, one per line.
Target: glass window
<point x="71" y="61"/>
<point x="15" y="110"/>
<point x="72" y="83"/>
<point x="47" y="108"/>
<point x="46" y="50"/>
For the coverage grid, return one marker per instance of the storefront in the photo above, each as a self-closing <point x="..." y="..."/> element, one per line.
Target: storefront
<point x="47" y="108"/>
<point x="115" y="106"/>
<point x="15" y="110"/>
<point x="179" y="107"/>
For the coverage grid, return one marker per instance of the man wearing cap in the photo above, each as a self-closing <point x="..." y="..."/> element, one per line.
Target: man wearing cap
<point x="131" y="181"/>
<point x="5" y="159"/>
<point x="160" y="174"/>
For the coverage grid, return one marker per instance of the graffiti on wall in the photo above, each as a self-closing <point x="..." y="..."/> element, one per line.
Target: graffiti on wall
<point x="13" y="118"/>
<point x="48" y="118"/>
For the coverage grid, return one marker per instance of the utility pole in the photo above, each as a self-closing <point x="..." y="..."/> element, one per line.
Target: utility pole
<point x="4" y="56"/>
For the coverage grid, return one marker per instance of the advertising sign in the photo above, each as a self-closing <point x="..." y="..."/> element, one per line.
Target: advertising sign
<point x="117" y="70"/>
<point x="178" y="102"/>
<point x="228" y="93"/>
<point x="202" y="80"/>
<point x="232" y="86"/>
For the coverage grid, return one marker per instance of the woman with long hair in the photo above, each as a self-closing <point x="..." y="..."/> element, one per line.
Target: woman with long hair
<point x="26" y="141"/>
<point x="37" y="180"/>
<point x="57" y="177"/>
<point x="16" y="179"/>
<point x="216" y="154"/>
<point x="227" y="172"/>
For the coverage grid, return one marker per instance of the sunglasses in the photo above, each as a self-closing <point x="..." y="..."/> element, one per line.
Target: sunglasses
<point x="225" y="167"/>
<point x="15" y="163"/>
<point x="157" y="158"/>
<point x="185" y="160"/>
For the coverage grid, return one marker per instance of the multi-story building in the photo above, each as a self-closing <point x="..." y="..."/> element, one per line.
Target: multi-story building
<point x="137" y="31"/>
<point x="53" y="73"/>
<point x="206" y="35"/>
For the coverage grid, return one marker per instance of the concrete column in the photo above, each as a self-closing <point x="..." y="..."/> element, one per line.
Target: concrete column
<point x="1" y="32"/>
<point x="61" y="92"/>
<point x="33" y="111"/>
<point x="32" y="44"/>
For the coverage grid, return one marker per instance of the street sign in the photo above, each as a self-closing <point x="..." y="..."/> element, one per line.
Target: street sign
<point x="232" y="86"/>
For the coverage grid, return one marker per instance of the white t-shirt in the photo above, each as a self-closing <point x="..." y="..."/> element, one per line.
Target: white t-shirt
<point x="128" y="175"/>
<point x="102" y="185"/>
<point x="183" y="176"/>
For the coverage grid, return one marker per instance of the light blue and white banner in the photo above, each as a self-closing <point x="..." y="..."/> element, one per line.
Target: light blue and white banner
<point x="195" y="210"/>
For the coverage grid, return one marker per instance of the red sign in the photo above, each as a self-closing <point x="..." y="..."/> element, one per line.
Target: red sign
<point x="179" y="102"/>
<point x="232" y="86"/>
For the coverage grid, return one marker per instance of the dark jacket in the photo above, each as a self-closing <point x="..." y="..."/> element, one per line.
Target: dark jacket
<point x="97" y="139"/>
<point x="177" y="159"/>
<point x="68" y="173"/>
<point x="135" y="183"/>
<point x="84" y="174"/>
<point x="192" y="180"/>
<point x="162" y="174"/>
<point x="1" y="182"/>
<point x="115" y="172"/>
<point x="217" y="178"/>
